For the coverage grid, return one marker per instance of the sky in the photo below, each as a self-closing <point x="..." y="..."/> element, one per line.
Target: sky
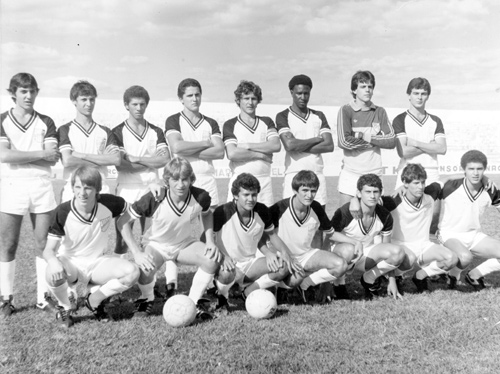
<point x="156" y="43"/>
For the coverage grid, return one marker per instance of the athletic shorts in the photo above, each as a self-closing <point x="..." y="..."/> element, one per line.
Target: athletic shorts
<point x="432" y="176"/>
<point x="208" y="183"/>
<point x="26" y="195"/>
<point x="303" y="258"/>
<point x="360" y="263"/>
<point x="131" y="192"/>
<point x="242" y="268"/>
<point x="321" y="195"/>
<point x="67" y="192"/>
<point x="468" y="239"/>
<point x="85" y="266"/>
<point x="266" y="190"/>
<point x="348" y="182"/>
<point x="170" y="253"/>
<point x="417" y="248"/>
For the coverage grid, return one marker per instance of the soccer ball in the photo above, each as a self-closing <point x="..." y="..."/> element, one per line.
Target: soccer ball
<point x="261" y="304"/>
<point x="179" y="311"/>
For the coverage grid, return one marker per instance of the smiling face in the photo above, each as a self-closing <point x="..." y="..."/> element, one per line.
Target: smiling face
<point x="137" y="108"/>
<point x="364" y="92"/>
<point x="85" y="105"/>
<point x="25" y="97"/>
<point x="85" y="195"/>
<point x="246" y="199"/>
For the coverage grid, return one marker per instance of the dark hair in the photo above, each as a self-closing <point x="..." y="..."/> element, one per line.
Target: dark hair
<point x="25" y="80"/>
<point x="419" y="84"/>
<point x="135" y="92"/>
<point x="413" y="172"/>
<point x="300" y="80"/>
<point x="178" y="168"/>
<point x="370" y="180"/>
<point x="245" y="88"/>
<point x="82" y="88"/>
<point x="473" y="156"/>
<point x="361" y="76"/>
<point x="246" y="181"/>
<point x="185" y="83"/>
<point x="305" y="178"/>
<point x="89" y="176"/>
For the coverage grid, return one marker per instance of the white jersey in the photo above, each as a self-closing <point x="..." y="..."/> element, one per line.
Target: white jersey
<point x="38" y="133"/>
<point x="148" y="144"/>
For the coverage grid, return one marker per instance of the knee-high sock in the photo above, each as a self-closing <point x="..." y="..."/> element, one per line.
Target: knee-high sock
<point x="432" y="269"/>
<point x="318" y="277"/>
<point x="487" y="267"/>
<point x="110" y="288"/>
<point x="383" y="267"/>
<point x="147" y="291"/>
<point x="224" y="288"/>
<point x="41" y="283"/>
<point x="201" y="280"/>
<point x="455" y="272"/>
<point x="7" y="273"/>
<point x="61" y="295"/>
<point x="171" y="271"/>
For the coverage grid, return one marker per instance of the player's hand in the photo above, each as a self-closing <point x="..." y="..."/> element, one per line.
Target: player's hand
<point x="293" y="266"/>
<point x="325" y="293"/>
<point x="56" y="270"/>
<point x="228" y="264"/>
<point x="401" y="191"/>
<point x="358" y="252"/>
<point x="51" y="154"/>
<point x="145" y="261"/>
<point x="274" y="263"/>
<point x="392" y="289"/>
<point x="158" y="191"/>
<point x="355" y="208"/>
<point x="489" y="184"/>
<point x="212" y="252"/>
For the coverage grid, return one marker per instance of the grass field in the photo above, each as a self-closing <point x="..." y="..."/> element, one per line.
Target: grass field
<point x="443" y="332"/>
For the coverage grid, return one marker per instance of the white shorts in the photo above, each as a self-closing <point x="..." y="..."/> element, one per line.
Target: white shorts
<point x="432" y="176"/>
<point x="85" y="266"/>
<point x="22" y="195"/>
<point x="360" y="263"/>
<point x="266" y="190"/>
<point x="242" y="268"/>
<point x="303" y="258"/>
<point x="417" y="248"/>
<point x="170" y="253"/>
<point x="131" y="192"/>
<point x="208" y="183"/>
<point x="67" y="192"/>
<point x="321" y="195"/>
<point x="348" y="182"/>
<point x="468" y="239"/>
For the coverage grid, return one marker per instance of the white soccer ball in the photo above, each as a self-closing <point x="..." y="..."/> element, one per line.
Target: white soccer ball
<point x="261" y="304"/>
<point x="179" y="311"/>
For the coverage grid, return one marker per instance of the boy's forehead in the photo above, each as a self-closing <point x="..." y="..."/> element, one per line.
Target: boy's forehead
<point x="245" y="191"/>
<point x="29" y="87"/>
<point x="137" y="100"/>
<point x="370" y="188"/>
<point x="364" y="82"/>
<point x="419" y="90"/>
<point x="474" y="164"/>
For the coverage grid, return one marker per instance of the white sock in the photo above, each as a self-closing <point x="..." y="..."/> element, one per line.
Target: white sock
<point x="318" y="277"/>
<point x="171" y="271"/>
<point x="433" y="269"/>
<point x="41" y="283"/>
<point x="224" y="288"/>
<point x="201" y="280"/>
<point x="266" y="282"/>
<point x="7" y="272"/>
<point x="147" y="291"/>
<point x="61" y="295"/>
<point x="383" y="267"/>
<point x="487" y="267"/>
<point x="339" y="281"/>
<point x="455" y="272"/>
<point x="113" y="287"/>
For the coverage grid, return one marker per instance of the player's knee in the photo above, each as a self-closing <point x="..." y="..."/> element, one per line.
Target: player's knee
<point x="281" y="274"/>
<point x="465" y="259"/>
<point x="396" y="254"/>
<point x="409" y="260"/>
<point x="210" y="266"/>
<point x="450" y="260"/>
<point x="345" y="250"/>
<point x="337" y="266"/>
<point x="132" y="274"/>
<point x="226" y="277"/>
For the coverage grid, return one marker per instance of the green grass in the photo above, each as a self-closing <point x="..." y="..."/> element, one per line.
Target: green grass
<point x="445" y="332"/>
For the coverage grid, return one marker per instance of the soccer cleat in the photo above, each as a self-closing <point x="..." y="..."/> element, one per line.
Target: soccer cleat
<point x="144" y="308"/>
<point x="170" y="290"/>
<point x="282" y="296"/>
<point x="48" y="305"/>
<point x="341" y="292"/>
<point x="157" y="293"/>
<point x="452" y="282"/>
<point x="421" y="284"/>
<point x="6" y="307"/>
<point x="202" y="311"/>
<point x="222" y="307"/>
<point x="64" y="318"/>
<point x="371" y="290"/>
<point x="99" y="312"/>
<point x="478" y="283"/>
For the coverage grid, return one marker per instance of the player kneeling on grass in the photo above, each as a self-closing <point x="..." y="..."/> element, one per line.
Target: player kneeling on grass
<point x="358" y="247"/>
<point x="296" y="219"/>
<point x="76" y="243"/>
<point x="464" y="202"/>
<point x="169" y="237"/>
<point x="243" y="226"/>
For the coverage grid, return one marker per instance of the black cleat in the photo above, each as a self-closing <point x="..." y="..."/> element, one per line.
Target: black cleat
<point x="222" y="307"/>
<point x="202" y="311"/>
<point x="371" y="290"/>
<point x="64" y="318"/>
<point x="143" y="307"/>
<point x="421" y="284"/>
<point x="6" y="307"/>
<point x="452" y="282"/>
<point x="341" y="292"/>
<point x="478" y="283"/>
<point x="170" y="290"/>
<point x="282" y="296"/>
<point x="99" y="312"/>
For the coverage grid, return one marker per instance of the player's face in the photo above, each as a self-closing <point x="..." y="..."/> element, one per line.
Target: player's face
<point x="301" y="95"/>
<point x="84" y="194"/>
<point x="179" y="187"/>
<point x="246" y="199"/>
<point x="364" y="92"/>
<point x="415" y="188"/>
<point x="369" y="195"/>
<point x="248" y="103"/>
<point x="418" y="97"/>
<point x="137" y="107"/>
<point x="474" y="172"/>
<point x="25" y="97"/>
<point x="306" y="195"/>
<point x="85" y="105"/>
<point x="191" y="99"/>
